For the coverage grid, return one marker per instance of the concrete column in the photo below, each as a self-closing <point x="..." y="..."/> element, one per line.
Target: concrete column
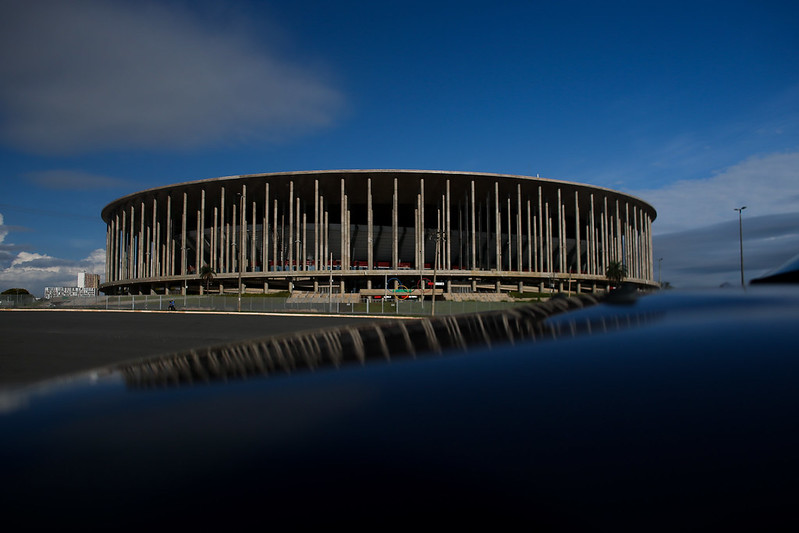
<point x="152" y="248"/>
<point x="650" y="252"/>
<point x="529" y="237"/>
<point x="253" y="257"/>
<point x="606" y="243"/>
<point x="304" y="246"/>
<point x="630" y="239"/>
<point x="537" y="251"/>
<point x="290" y="243"/>
<point x="343" y="225"/>
<point x="369" y="221"/>
<point x="299" y="239"/>
<point x="448" y="230"/>
<point x="108" y="251"/>
<point x="140" y="270"/>
<point x="123" y="245"/>
<point x="647" y="246"/>
<point x="519" y="228"/>
<point x="235" y="241"/>
<point x="346" y="258"/>
<point x="221" y="240"/>
<point x="592" y="236"/>
<point x="416" y="242"/>
<point x="214" y="256"/>
<point x="561" y="244"/>
<point x="132" y="244"/>
<point x="265" y="235"/>
<point x="157" y="251"/>
<point x="183" y="232"/>
<point x="637" y="221"/>
<point x="619" y="255"/>
<point x="349" y="236"/>
<point x="201" y="234"/>
<point x="421" y="218"/>
<point x="198" y="239"/>
<point x="394" y="229"/>
<point x="541" y="225"/>
<point x="565" y="248"/>
<point x="533" y="244"/>
<point x="645" y="252"/>
<point x="510" y="238"/>
<point x="114" y="270"/>
<point x="275" y="256"/>
<point x="242" y="251"/>
<point x="577" y="228"/>
<point x="326" y="255"/>
<point x="316" y="227"/>
<point x="474" y="233"/>
<point x="120" y="238"/>
<point x="546" y="243"/>
<point x="323" y="235"/>
<point x="168" y="267"/>
<point x="498" y="227"/>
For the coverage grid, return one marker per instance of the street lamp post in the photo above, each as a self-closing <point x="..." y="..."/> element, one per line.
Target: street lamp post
<point x="660" y="283"/>
<point x="438" y="236"/>
<point x="741" y="240"/>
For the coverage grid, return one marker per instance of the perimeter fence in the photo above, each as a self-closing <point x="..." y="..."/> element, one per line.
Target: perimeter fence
<point x="256" y="304"/>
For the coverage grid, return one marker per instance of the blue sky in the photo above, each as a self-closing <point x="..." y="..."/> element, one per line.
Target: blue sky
<point x="692" y="106"/>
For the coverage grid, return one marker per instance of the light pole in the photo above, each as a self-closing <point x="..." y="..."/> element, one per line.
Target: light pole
<point x="660" y="283"/>
<point x="437" y="236"/>
<point x="741" y="240"/>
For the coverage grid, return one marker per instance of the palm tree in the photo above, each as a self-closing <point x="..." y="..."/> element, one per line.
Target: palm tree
<point x="207" y="274"/>
<point x="616" y="272"/>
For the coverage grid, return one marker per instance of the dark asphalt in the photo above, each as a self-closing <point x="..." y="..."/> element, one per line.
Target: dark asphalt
<point x="37" y="345"/>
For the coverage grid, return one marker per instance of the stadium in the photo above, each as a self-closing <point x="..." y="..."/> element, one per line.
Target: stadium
<point x="375" y="233"/>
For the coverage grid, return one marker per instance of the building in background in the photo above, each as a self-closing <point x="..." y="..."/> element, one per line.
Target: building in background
<point x="88" y="281"/>
<point x="370" y="231"/>
<point x="88" y="285"/>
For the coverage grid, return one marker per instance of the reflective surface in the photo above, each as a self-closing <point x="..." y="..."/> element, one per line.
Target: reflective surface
<point x="675" y="411"/>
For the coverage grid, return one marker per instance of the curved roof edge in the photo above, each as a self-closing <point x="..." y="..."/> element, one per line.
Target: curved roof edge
<point x="127" y="197"/>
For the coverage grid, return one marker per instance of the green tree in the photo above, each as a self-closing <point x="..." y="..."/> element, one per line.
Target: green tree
<point x="616" y="272"/>
<point x="207" y="275"/>
<point x="15" y="291"/>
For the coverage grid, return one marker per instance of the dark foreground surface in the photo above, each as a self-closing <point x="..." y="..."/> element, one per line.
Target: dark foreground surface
<point x="37" y="345"/>
<point x="673" y="412"/>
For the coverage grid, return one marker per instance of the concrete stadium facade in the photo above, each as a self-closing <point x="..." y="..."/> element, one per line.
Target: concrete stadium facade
<point x="371" y="231"/>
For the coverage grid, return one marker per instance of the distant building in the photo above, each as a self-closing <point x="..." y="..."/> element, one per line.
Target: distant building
<point x="68" y="292"/>
<point x="88" y="281"/>
<point x="87" y="286"/>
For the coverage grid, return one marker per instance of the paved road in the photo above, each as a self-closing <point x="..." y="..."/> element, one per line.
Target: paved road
<point x="37" y="345"/>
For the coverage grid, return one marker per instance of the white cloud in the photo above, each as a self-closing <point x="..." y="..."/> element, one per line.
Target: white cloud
<point x="35" y="271"/>
<point x="73" y="179"/>
<point x="87" y="74"/>
<point x="766" y="184"/>
<point x="697" y="231"/>
<point x="708" y="256"/>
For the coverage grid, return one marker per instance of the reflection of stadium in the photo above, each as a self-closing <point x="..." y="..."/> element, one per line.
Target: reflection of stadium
<point x="354" y="230"/>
